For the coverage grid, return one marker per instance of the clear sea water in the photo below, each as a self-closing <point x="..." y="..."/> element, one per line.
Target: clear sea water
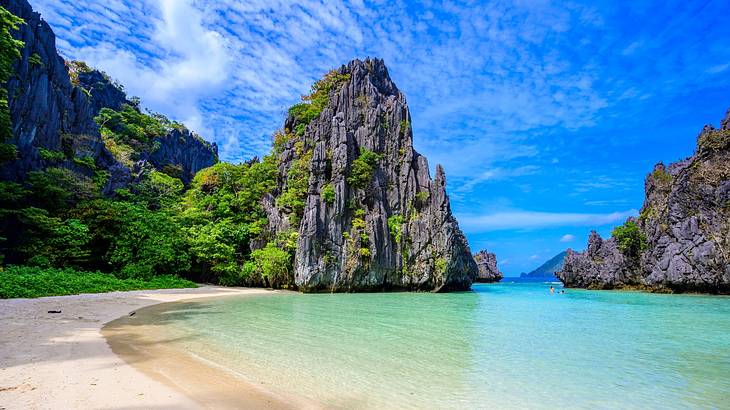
<point x="506" y="345"/>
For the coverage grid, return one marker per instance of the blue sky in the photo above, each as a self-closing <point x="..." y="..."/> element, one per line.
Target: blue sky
<point x="546" y="115"/>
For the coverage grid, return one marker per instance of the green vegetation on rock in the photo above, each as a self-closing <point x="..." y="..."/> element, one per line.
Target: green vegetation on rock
<point x="128" y="132"/>
<point x="662" y="177"/>
<point x="395" y="225"/>
<point x="35" y="60"/>
<point x="51" y="155"/>
<point x="297" y="183"/>
<point x="8" y="152"/>
<point x="328" y="193"/>
<point x="629" y="239"/>
<point x="363" y="168"/>
<point x="313" y="104"/>
<point x="9" y="52"/>
<point x="715" y="139"/>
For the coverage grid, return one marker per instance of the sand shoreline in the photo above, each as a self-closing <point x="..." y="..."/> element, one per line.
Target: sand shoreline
<point x="51" y="361"/>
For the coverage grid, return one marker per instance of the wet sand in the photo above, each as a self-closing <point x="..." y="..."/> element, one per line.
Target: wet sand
<point x="144" y="341"/>
<point x="62" y="360"/>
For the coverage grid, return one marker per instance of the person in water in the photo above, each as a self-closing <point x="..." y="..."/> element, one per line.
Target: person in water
<point x="552" y="289"/>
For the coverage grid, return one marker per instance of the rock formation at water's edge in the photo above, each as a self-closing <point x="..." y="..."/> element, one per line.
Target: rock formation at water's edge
<point x="488" y="270"/>
<point x="372" y="219"/>
<point x="681" y="240"/>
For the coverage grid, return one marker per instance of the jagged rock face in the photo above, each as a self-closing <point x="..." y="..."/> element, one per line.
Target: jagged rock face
<point x="346" y="244"/>
<point x="48" y="111"/>
<point x="686" y="221"/>
<point x="487" y="265"/>
<point x="183" y="149"/>
<point x="601" y="266"/>
<point x="104" y="93"/>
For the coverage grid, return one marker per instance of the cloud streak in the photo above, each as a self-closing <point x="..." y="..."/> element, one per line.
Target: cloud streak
<point x="513" y="220"/>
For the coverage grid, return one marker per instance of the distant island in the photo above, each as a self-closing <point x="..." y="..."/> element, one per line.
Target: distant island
<point x="547" y="270"/>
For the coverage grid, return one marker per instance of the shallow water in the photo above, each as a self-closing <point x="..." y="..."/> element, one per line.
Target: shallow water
<point x="499" y="346"/>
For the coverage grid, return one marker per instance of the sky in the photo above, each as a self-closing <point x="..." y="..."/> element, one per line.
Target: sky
<point x="546" y="116"/>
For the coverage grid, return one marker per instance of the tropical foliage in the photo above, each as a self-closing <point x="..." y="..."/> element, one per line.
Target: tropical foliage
<point x="32" y="282"/>
<point x="630" y="240"/>
<point x="62" y="231"/>
<point x="9" y="52"/>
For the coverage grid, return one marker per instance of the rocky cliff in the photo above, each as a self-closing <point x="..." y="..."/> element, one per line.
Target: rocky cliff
<point x="180" y="151"/>
<point x="682" y="240"/>
<point x="52" y="107"/>
<point x="367" y="213"/>
<point x="46" y="110"/>
<point x="487" y="265"/>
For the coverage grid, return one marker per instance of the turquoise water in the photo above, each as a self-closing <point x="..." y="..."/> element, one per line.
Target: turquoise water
<point x="499" y="346"/>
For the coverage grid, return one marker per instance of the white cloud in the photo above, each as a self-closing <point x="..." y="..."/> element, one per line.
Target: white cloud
<point x="567" y="238"/>
<point x="495" y="174"/>
<point x="188" y="60"/>
<point x="487" y="76"/>
<point x="537" y="220"/>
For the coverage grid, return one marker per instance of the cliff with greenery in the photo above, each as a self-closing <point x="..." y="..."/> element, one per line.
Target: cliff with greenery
<point x="358" y="198"/>
<point x="681" y="240"/>
<point x="63" y="114"/>
<point x="95" y="190"/>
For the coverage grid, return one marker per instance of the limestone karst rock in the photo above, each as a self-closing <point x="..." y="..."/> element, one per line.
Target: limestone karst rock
<point x="53" y="104"/>
<point x="487" y="264"/>
<point x="685" y="223"/>
<point x="372" y="217"/>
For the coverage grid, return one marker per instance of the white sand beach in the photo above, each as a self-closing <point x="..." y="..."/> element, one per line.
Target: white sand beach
<point x="62" y="360"/>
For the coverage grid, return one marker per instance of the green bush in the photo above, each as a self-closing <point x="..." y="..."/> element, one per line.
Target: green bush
<point x="86" y="162"/>
<point x="157" y="190"/>
<point x="440" y="265"/>
<point x="363" y="168"/>
<point x="129" y="124"/>
<point x="313" y="104"/>
<point x="405" y="126"/>
<point x="8" y="152"/>
<point x="714" y="140"/>
<point x="35" y="60"/>
<point x="630" y="240"/>
<point x="33" y="282"/>
<point x="273" y="264"/>
<point x="51" y="155"/>
<point x="662" y="177"/>
<point x="395" y="225"/>
<point x="59" y="188"/>
<point x="328" y="193"/>
<point x="51" y="241"/>
<point x="422" y="198"/>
